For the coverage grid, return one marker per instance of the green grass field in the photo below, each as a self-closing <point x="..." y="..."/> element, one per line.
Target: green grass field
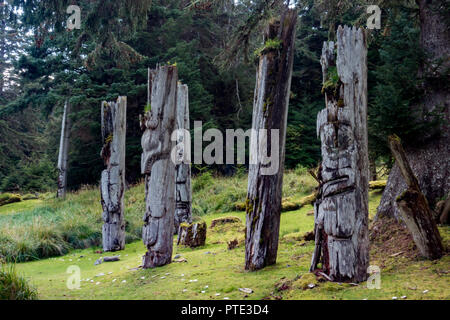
<point x="212" y="271"/>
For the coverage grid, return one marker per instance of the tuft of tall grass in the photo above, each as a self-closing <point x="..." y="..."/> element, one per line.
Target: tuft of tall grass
<point x="13" y="286"/>
<point x="58" y="226"/>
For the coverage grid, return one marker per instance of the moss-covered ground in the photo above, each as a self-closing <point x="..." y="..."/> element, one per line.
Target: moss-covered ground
<point x="213" y="271"/>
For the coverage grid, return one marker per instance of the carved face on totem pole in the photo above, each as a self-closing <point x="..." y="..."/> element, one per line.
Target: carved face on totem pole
<point x="158" y="126"/>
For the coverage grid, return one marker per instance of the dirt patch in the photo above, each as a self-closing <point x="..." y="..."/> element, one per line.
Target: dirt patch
<point x="390" y="240"/>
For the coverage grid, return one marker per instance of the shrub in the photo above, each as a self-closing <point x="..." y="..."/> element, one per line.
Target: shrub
<point x="200" y="182"/>
<point x="14" y="287"/>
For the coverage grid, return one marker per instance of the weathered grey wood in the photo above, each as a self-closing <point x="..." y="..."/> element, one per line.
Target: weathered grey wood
<point x="270" y="109"/>
<point x="414" y="208"/>
<point x="192" y="234"/>
<point x="183" y="191"/>
<point x="63" y="156"/>
<point x="341" y="208"/>
<point x="158" y="167"/>
<point x="112" y="184"/>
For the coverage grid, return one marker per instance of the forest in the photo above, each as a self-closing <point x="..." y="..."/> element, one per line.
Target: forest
<point x="135" y="138"/>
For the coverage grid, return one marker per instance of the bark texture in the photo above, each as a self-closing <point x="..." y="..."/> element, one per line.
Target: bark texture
<point x="183" y="191"/>
<point x="273" y="83"/>
<point x="158" y="167"/>
<point x="341" y="208"/>
<point x="428" y="158"/>
<point x="63" y="157"/>
<point x="192" y="234"/>
<point x="112" y="186"/>
<point x="414" y="208"/>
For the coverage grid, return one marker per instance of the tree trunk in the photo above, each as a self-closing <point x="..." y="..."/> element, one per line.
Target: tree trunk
<point x="341" y="209"/>
<point x="158" y="167"/>
<point x="183" y="194"/>
<point x="112" y="186"/>
<point x="270" y="110"/>
<point x="428" y="158"/>
<point x="414" y="207"/>
<point x="63" y="157"/>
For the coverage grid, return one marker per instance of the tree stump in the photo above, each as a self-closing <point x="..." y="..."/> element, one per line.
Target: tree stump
<point x="63" y="156"/>
<point x="183" y="191"/>
<point x="414" y="208"/>
<point x="158" y="167"/>
<point x="273" y="83"/>
<point x="112" y="186"/>
<point x="192" y="234"/>
<point x="341" y="208"/>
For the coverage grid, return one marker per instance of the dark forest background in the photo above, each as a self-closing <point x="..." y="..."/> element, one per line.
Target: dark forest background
<point x="43" y="64"/>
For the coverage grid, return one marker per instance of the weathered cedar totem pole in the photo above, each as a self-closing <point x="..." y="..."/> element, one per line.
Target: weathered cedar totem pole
<point x="341" y="208"/>
<point x="63" y="156"/>
<point x="158" y="167"/>
<point x="112" y="184"/>
<point x="183" y="194"/>
<point x="273" y="83"/>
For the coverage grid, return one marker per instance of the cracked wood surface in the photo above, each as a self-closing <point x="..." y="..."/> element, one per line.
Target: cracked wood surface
<point x="112" y="184"/>
<point x="183" y="192"/>
<point x="341" y="208"/>
<point x="273" y="83"/>
<point x="158" y="167"/>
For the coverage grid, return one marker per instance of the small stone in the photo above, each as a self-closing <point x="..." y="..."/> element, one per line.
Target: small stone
<point x="110" y="272"/>
<point x="177" y="256"/>
<point x="184" y="290"/>
<point x="124" y="281"/>
<point x="311" y="285"/>
<point x="98" y="261"/>
<point x="142" y="278"/>
<point x="226" y="298"/>
<point x="403" y="297"/>
<point x="97" y="283"/>
<point x="394" y="298"/>
<point x="217" y="294"/>
<point x="163" y="277"/>
<point x="114" y="280"/>
<point x="100" y="275"/>
<point x="425" y="291"/>
<point x="203" y="291"/>
<point x="246" y="290"/>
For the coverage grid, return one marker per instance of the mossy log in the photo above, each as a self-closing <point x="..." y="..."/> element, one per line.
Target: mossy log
<point x="158" y="167"/>
<point x="63" y="157"/>
<point x="192" y="234"/>
<point x="341" y="209"/>
<point x="273" y="83"/>
<point x="112" y="184"/>
<point x="183" y="189"/>
<point x="414" y="208"/>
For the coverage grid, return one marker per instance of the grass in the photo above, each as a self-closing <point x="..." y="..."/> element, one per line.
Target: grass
<point x="69" y="232"/>
<point x="13" y="286"/>
<point x="17" y="207"/>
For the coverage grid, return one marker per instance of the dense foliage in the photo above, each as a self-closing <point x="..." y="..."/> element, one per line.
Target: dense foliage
<point x="119" y="40"/>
